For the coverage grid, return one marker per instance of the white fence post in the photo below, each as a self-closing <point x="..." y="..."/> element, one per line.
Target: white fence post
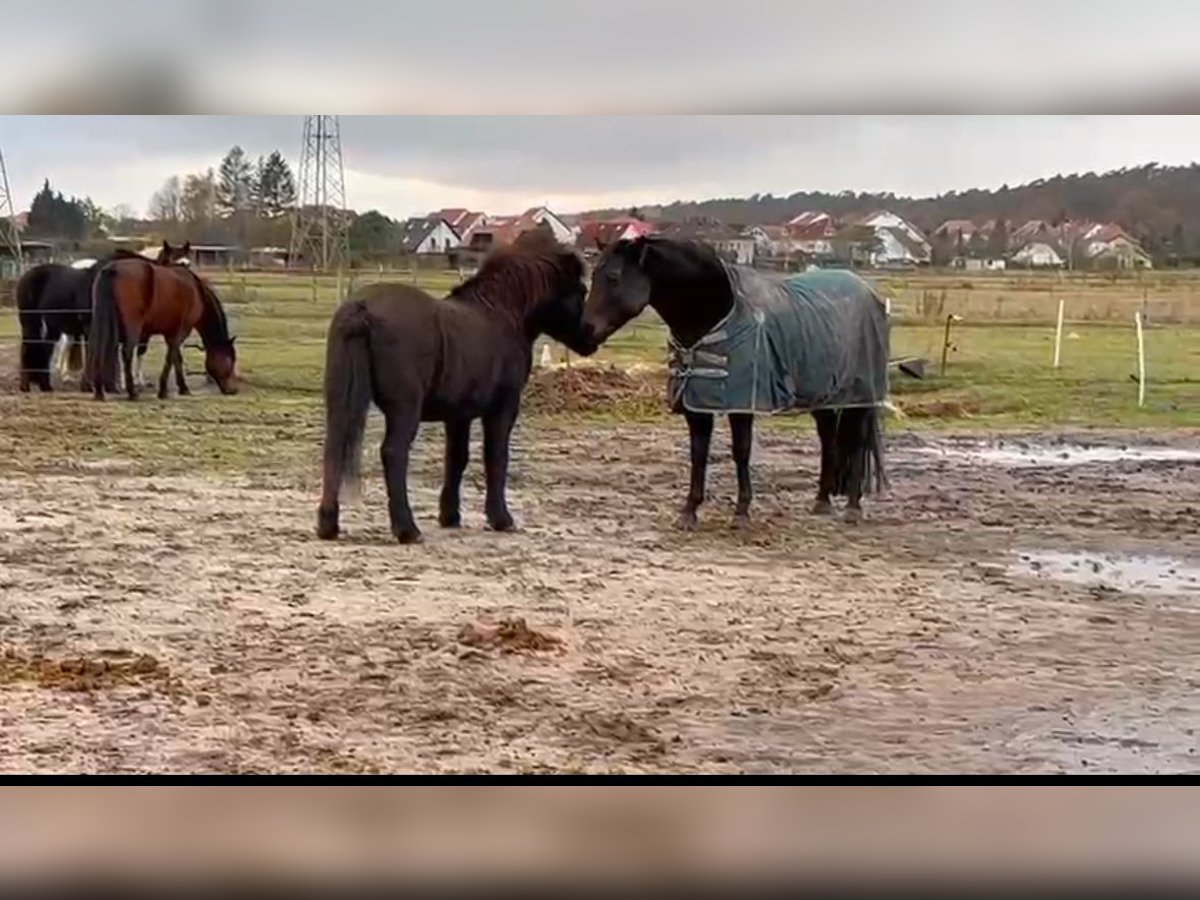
<point x="1141" y="346"/>
<point x="1058" y="334"/>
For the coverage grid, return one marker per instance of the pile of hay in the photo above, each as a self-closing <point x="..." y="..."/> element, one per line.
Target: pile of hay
<point x="590" y="388"/>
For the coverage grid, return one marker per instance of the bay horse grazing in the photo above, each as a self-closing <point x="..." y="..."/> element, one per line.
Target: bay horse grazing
<point x="133" y="300"/>
<point x="454" y="360"/>
<point x="743" y="343"/>
<point x="54" y="306"/>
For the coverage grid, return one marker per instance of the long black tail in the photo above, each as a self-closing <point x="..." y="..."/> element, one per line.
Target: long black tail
<point x="105" y="337"/>
<point x="858" y="466"/>
<point x="36" y="352"/>
<point x="348" y="394"/>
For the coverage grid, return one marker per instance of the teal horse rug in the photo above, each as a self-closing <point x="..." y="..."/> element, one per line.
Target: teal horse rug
<point x="800" y="343"/>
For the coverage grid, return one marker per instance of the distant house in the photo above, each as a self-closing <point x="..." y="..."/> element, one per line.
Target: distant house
<point x="729" y="242"/>
<point x="496" y="231"/>
<point x="428" y="235"/>
<point x="541" y="216"/>
<point x="898" y="241"/>
<point x="1038" y="255"/>
<point x="1110" y="246"/>
<point x="812" y="233"/>
<point x="599" y="234"/>
<point x="772" y="240"/>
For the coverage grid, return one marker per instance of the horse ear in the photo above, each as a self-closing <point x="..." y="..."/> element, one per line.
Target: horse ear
<point x="166" y="246"/>
<point x="187" y="247"/>
<point x="641" y="246"/>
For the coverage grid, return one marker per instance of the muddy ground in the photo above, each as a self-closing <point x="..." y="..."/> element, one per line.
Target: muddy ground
<point x="154" y="623"/>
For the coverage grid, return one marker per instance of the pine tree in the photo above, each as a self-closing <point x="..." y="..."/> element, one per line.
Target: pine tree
<point x="234" y="183"/>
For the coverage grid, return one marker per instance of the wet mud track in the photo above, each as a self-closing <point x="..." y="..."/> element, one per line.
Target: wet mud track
<point x="156" y="623"/>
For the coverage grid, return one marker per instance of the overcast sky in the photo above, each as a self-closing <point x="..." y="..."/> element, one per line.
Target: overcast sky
<point x="407" y="165"/>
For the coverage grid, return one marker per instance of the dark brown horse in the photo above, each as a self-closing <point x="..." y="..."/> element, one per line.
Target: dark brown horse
<point x="133" y="300"/>
<point x="454" y="360"/>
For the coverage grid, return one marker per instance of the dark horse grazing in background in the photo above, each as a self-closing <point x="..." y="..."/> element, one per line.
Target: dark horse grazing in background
<point x="744" y="343"/>
<point x="133" y="300"/>
<point x="453" y="360"/>
<point x="55" y="301"/>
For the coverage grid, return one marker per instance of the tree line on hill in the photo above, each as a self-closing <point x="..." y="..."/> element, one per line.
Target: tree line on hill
<point x="1157" y="205"/>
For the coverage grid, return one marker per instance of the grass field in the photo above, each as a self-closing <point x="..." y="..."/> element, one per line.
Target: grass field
<point x="998" y="373"/>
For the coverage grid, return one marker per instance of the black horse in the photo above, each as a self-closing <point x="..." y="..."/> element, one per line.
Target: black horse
<point x="744" y="343"/>
<point x="55" y="301"/>
<point x="453" y="360"/>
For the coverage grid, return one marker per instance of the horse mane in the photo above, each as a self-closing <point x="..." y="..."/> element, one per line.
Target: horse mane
<point x="220" y="333"/>
<point x="684" y="250"/>
<point x="515" y="278"/>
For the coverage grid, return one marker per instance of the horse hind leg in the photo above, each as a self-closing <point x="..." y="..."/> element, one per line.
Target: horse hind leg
<point x="127" y="352"/>
<point x="402" y="424"/>
<point x="140" y="362"/>
<point x="827" y="423"/>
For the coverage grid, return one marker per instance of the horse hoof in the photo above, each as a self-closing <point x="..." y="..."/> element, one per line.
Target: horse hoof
<point x="822" y="508"/>
<point x="853" y="515"/>
<point x="741" y="522"/>
<point x="687" y="521"/>
<point x="162" y="395"/>
<point x="502" y="524"/>
<point x="450" y="520"/>
<point x="327" y="524"/>
<point x="408" y="535"/>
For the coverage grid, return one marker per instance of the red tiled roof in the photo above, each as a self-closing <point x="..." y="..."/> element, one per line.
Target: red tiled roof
<point x="452" y="216"/>
<point x="601" y="233"/>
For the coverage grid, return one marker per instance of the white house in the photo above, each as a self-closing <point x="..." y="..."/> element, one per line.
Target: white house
<point x="900" y="242"/>
<point x="540" y="215"/>
<point x="1038" y="255"/>
<point x="428" y="236"/>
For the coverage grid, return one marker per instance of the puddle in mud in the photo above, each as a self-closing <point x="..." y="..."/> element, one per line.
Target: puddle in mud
<point x="1128" y="573"/>
<point x="1017" y="454"/>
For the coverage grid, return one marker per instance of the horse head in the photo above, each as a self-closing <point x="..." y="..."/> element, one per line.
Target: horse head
<point x="169" y="255"/>
<point x="620" y="288"/>
<point x="560" y="315"/>
<point x="220" y="363"/>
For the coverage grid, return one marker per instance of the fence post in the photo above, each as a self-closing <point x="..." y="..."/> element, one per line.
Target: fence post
<point x="1058" y="334"/>
<point x="946" y="342"/>
<point x="338" y="297"/>
<point x="1141" y="348"/>
<point x="314" y="286"/>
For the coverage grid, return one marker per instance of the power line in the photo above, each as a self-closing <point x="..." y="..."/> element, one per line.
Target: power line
<point x="320" y="221"/>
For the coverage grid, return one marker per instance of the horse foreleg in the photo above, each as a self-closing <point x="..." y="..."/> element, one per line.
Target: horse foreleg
<point x="700" y="429"/>
<point x="741" y="426"/>
<point x="826" y="420"/>
<point x="397" y="441"/>
<point x="180" y="378"/>
<point x="458" y="451"/>
<point x="497" y="433"/>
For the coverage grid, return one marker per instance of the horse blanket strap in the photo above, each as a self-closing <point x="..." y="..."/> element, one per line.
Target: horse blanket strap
<point x="818" y="340"/>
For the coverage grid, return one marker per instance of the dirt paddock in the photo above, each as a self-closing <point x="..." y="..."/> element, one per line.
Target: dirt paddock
<point x="155" y="623"/>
